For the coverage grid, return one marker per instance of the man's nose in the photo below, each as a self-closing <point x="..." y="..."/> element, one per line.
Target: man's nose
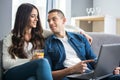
<point x="51" y="22"/>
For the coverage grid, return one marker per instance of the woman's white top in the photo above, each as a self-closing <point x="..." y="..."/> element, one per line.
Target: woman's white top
<point x="8" y="62"/>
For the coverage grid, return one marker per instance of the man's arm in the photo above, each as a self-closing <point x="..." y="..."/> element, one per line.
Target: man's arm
<point x="78" y="68"/>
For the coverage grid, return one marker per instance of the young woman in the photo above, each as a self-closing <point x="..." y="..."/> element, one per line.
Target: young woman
<point x="26" y="36"/>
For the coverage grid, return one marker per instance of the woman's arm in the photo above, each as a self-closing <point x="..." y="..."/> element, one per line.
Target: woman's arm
<point x="8" y="62"/>
<point x="70" y="28"/>
<point x="79" y="30"/>
<point x="89" y="38"/>
<point x="47" y="33"/>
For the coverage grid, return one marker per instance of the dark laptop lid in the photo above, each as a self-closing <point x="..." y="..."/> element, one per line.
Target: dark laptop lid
<point x="108" y="59"/>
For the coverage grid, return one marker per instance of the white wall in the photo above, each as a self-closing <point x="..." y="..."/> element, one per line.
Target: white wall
<point x="111" y="8"/>
<point x="68" y="11"/>
<point x="108" y="7"/>
<point x="5" y="17"/>
<point x="65" y="7"/>
<point x="78" y="7"/>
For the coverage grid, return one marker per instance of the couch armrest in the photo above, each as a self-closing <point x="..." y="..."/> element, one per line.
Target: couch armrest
<point x="1" y="68"/>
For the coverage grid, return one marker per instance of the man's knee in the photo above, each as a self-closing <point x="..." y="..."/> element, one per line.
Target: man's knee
<point x="114" y="77"/>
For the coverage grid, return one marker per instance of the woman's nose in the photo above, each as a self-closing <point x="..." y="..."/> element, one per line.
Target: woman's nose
<point x="36" y="18"/>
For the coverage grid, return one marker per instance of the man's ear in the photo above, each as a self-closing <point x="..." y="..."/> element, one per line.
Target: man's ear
<point x="64" y="20"/>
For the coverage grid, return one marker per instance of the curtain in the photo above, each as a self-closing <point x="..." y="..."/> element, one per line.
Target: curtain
<point x="50" y="4"/>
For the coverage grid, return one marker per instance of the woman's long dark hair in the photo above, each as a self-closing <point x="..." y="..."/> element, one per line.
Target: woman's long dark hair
<point x="21" y="21"/>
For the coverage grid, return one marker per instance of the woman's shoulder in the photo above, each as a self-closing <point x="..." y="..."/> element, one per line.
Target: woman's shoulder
<point x="8" y="36"/>
<point x="47" y="33"/>
<point x="7" y="39"/>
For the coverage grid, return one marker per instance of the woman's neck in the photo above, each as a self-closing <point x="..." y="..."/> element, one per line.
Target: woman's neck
<point x="28" y="35"/>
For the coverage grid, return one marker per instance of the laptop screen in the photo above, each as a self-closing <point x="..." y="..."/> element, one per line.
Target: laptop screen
<point x="108" y="59"/>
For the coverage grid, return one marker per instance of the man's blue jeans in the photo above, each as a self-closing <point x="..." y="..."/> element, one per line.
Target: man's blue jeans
<point x="33" y="70"/>
<point x="114" y="77"/>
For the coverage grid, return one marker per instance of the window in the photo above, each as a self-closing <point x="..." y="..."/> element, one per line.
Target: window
<point x="65" y="6"/>
<point x="40" y="4"/>
<point x="60" y="4"/>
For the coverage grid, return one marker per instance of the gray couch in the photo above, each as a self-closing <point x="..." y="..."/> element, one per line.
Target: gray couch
<point x="98" y="40"/>
<point x="1" y="69"/>
<point x="102" y="38"/>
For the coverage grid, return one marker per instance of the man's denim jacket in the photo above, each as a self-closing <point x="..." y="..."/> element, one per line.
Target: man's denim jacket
<point x="55" y="52"/>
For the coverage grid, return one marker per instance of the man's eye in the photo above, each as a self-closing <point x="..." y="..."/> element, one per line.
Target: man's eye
<point x="54" y="19"/>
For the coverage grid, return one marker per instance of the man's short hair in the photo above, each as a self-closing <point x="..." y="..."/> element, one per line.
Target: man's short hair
<point x="60" y="13"/>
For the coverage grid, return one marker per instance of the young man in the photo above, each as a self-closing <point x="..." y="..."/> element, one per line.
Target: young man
<point x="66" y="52"/>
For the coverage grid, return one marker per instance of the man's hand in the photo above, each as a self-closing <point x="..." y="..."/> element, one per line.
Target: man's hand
<point x="80" y="67"/>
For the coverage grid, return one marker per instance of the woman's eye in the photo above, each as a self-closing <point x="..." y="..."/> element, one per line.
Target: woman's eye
<point x="32" y="16"/>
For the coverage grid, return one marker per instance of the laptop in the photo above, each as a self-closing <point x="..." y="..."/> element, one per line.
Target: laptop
<point x="108" y="59"/>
